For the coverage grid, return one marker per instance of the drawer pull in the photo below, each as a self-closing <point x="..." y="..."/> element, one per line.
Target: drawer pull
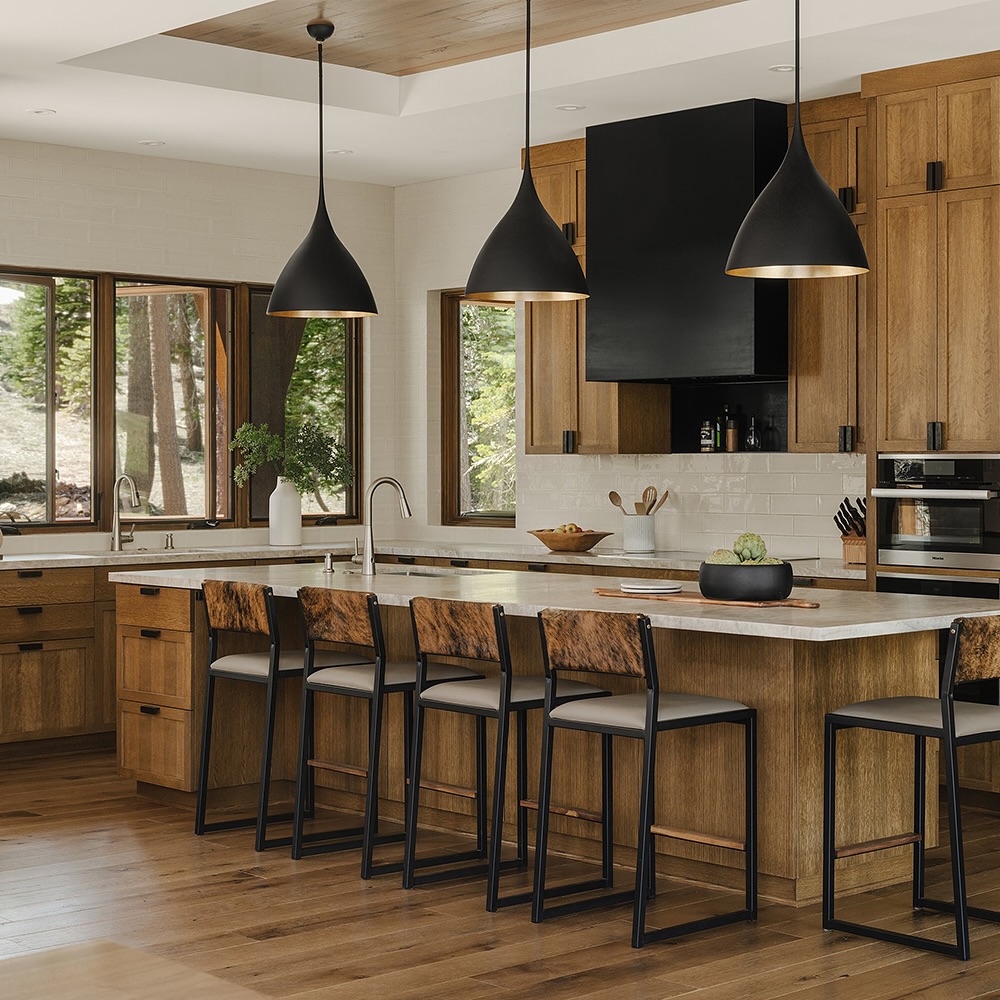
<point x="149" y="591"/>
<point x="460" y="563"/>
<point x="803" y="581"/>
<point x="305" y="560"/>
<point x="537" y="567"/>
<point x="149" y="709"/>
<point x="36" y="610"/>
<point x="149" y="633"/>
<point x="28" y="647"/>
<point x="25" y="574"/>
<point x="407" y="560"/>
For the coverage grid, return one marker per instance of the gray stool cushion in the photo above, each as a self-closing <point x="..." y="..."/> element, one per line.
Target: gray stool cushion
<point x="970" y="718"/>
<point x="361" y="676"/>
<point x="255" y="664"/>
<point x="628" y="711"/>
<point x="485" y="693"/>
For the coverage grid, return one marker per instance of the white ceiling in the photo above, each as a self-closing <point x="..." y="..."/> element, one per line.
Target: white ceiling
<point x="114" y="80"/>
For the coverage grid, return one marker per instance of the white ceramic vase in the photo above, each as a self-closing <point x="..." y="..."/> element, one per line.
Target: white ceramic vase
<point x="284" y="514"/>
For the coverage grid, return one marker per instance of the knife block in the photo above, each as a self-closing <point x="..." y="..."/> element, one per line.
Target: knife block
<point x="855" y="550"/>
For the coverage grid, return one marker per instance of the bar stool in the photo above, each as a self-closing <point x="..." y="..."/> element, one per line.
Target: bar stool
<point x="610" y="643"/>
<point x="247" y="608"/>
<point x="352" y="618"/>
<point x="973" y="654"/>
<point x="477" y="632"/>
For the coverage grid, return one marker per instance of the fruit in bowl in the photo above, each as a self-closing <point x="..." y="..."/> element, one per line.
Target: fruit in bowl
<point x="745" y="573"/>
<point x="569" y="537"/>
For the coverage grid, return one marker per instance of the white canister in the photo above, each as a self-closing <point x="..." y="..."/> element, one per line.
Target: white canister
<point x="284" y="514"/>
<point x="639" y="535"/>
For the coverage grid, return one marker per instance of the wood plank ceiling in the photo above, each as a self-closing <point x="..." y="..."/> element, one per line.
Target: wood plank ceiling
<point x="399" y="37"/>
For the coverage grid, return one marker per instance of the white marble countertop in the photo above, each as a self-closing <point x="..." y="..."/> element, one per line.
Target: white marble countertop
<point x="513" y="552"/>
<point x="841" y="615"/>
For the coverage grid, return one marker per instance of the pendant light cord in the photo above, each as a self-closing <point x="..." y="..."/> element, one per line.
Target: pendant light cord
<point x="798" y="102"/>
<point x="319" y="53"/>
<point x="527" y="88"/>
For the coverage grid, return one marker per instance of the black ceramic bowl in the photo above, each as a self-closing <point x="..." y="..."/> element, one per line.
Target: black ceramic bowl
<point x="722" y="582"/>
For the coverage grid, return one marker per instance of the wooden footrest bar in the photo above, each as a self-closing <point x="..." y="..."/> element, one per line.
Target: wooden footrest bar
<point x="325" y="765"/>
<point x="437" y="786"/>
<point x="587" y="815"/>
<point x="698" y="838"/>
<point x="867" y="846"/>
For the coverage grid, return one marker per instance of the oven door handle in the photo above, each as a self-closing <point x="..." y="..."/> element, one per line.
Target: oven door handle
<point x="919" y="493"/>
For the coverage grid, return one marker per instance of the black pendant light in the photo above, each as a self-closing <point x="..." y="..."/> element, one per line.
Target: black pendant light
<point x="321" y="278"/>
<point x="527" y="257"/>
<point x="797" y="227"/>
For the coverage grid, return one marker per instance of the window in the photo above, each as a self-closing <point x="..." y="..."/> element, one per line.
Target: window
<point x="479" y="445"/>
<point x="305" y="372"/>
<point x="172" y="405"/>
<point x="46" y="397"/>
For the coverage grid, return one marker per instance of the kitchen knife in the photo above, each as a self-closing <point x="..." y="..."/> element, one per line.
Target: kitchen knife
<point x="841" y="523"/>
<point x="855" y="518"/>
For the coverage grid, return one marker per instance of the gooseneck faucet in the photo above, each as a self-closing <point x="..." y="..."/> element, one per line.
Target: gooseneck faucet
<point x="116" y="524"/>
<point x="368" y="557"/>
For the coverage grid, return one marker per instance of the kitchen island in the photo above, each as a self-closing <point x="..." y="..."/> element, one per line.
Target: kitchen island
<point x="791" y="664"/>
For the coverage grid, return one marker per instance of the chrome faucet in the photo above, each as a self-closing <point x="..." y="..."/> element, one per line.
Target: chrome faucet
<point x="116" y="524"/>
<point x="368" y="558"/>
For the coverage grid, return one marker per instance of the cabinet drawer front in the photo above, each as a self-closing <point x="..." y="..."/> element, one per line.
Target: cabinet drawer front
<point x="32" y="622"/>
<point x="155" y="607"/>
<point x="44" y="689"/>
<point x="45" y="586"/>
<point x="156" y="744"/>
<point x="154" y="665"/>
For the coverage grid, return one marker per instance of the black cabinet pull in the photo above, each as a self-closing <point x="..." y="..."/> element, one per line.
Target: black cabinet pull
<point x="35" y="610"/>
<point x="149" y="591"/>
<point x="935" y="175"/>
<point x="460" y="563"/>
<point x="569" y="442"/>
<point x="803" y="581"/>
<point x="846" y="196"/>
<point x="845" y="438"/>
<point x="569" y="231"/>
<point x="935" y="435"/>
<point x="149" y="633"/>
<point x="407" y="560"/>
<point x="537" y="567"/>
<point x="28" y="647"/>
<point x="305" y="559"/>
<point x="24" y="574"/>
<point x="149" y="709"/>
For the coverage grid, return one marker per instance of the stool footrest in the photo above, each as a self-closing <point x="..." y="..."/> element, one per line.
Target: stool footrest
<point x="439" y="786"/>
<point x="882" y="844"/>
<point x="587" y="815"/>
<point x="678" y="930"/>
<point x="698" y="838"/>
<point x="326" y="765"/>
<point x="943" y="906"/>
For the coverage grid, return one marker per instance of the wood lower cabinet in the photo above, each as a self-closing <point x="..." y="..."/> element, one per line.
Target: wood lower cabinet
<point x="158" y="745"/>
<point x="104" y="699"/>
<point x="938" y="322"/>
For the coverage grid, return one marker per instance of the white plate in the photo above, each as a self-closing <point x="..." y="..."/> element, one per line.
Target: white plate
<point x="650" y="587"/>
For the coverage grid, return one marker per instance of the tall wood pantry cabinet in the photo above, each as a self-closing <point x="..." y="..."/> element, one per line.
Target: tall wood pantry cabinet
<point x="937" y="150"/>
<point x="564" y="413"/>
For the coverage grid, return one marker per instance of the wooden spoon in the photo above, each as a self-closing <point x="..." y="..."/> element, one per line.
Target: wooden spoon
<point x="648" y="499"/>
<point x="615" y="497"/>
<point x="659" y="503"/>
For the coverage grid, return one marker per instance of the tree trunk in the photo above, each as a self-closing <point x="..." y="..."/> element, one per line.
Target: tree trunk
<point x="138" y="420"/>
<point x="168" y="450"/>
<point x="184" y="349"/>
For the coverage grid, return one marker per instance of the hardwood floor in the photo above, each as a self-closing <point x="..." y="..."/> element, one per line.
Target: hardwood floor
<point x="83" y="859"/>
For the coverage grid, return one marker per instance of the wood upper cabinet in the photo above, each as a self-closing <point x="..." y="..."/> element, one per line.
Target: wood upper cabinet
<point x="938" y="328"/>
<point x="839" y="150"/>
<point x="826" y="358"/>
<point x="564" y="413"/>
<point x="956" y="125"/>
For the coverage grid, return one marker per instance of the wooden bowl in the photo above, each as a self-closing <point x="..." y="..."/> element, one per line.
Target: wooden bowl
<point x="569" y="541"/>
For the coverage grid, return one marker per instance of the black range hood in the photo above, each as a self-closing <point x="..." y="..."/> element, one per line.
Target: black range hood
<point x="665" y="197"/>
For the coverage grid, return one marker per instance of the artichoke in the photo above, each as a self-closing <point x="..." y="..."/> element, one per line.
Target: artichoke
<point x="724" y="556"/>
<point x="771" y="561"/>
<point x="749" y="547"/>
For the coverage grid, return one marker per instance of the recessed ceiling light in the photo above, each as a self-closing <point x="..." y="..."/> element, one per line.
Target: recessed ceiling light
<point x="570" y="107"/>
<point x="782" y="68"/>
<point x="341" y="152"/>
<point x="39" y="111"/>
<point x="151" y="142"/>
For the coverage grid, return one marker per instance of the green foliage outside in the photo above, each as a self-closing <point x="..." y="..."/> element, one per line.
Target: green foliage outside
<point x="489" y="448"/>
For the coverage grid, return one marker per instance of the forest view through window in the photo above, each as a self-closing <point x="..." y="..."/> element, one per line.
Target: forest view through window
<point x="46" y="398"/>
<point x="172" y="399"/>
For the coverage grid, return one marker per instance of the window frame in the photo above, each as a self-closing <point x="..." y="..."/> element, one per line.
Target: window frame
<point x="452" y="300"/>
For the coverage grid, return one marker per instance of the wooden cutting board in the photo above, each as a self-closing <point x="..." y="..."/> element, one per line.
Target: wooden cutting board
<point x="698" y="599"/>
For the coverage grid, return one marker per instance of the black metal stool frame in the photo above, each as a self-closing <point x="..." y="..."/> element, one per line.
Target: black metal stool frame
<point x="489" y="852"/>
<point x="949" y="750"/>
<point x="645" y="870"/>
<point x="261" y="820"/>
